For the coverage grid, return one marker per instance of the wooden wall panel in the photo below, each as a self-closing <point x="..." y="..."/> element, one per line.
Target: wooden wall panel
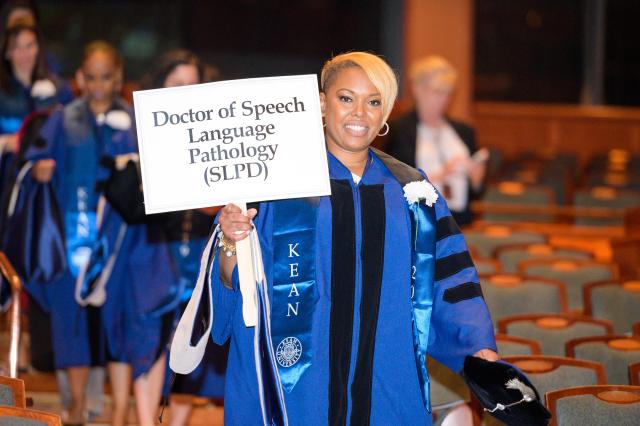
<point x="551" y="129"/>
<point x="512" y="136"/>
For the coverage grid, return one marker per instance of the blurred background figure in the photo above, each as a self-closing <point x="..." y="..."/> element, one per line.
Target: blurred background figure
<point x="186" y="232"/>
<point x="17" y="10"/>
<point x="25" y="11"/>
<point x="26" y="84"/>
<point x="71" y="144"/>
<point x="429" y="140"/>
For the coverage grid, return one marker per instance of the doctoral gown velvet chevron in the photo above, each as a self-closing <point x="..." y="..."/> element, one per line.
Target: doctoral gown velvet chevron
<point x="363" y="369"/>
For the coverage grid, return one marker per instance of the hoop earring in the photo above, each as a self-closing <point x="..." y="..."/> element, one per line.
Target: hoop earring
<point x="324" y="125"/>
<point x="386" y="131"/>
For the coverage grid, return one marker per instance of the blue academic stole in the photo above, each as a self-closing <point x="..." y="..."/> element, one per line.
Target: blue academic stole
<point x="84" y="145"/>
<point x="423" y="248"/>
<point x="80" y="216"/>
<point x="294" y="287"/>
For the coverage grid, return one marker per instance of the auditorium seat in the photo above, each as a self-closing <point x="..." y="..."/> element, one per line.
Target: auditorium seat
<point x="595" y="405"/>
<point x="605" y="197"/>
<point x="556" y="172"/>
<point x="12" y="392"/>
<point x="553" y="330"/>
<point x="487" y="238"/>
<point x="548" y="373"/>
<point x="634" y="374"/>
<point x="615" y="352"/>
<point x="619" y="179"/>
<point x="618" y="302"/>
<point x="16" y="416"/>
<point x="510" y="256"/>
<point x="487" y="266"/>
<point x="512" y="345"/>
<point x="574" y="273"/>
<point x="513" y="192"/>
<point x="618" y="169"/>
<point x="511" y="294"/>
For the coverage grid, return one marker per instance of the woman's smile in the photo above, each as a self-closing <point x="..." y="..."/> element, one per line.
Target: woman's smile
<point x="357" y="129"/>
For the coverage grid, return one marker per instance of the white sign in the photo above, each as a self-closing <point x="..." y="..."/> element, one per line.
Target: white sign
<point x="238" y="140"/>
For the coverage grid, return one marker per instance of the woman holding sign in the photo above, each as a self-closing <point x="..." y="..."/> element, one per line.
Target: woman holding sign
<point x="361" y="284"/>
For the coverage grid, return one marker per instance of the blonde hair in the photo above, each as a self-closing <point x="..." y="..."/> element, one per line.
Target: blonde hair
<point x="379" y="72"/>
<point x="433" y="69"/>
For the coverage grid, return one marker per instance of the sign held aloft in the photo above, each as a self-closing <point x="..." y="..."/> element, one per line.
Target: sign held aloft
<point x="231" y="141"/>
<point x="235" y="141"/>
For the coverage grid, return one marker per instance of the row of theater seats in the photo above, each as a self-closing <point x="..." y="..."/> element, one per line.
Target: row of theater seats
<point x="566" y="319"/>
<point x="13" y="406"/>
<point x="606" y="186"/>
<point x="562" y="317"/>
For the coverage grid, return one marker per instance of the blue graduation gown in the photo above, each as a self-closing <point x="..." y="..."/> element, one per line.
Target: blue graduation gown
<point x="207" y="379"/>
<point x="121" y="330"/>
<point x="136" y="319"/>
<point x="14" y="108"/>
<point x="75" y="141"/>
<point x="460" y="322"/>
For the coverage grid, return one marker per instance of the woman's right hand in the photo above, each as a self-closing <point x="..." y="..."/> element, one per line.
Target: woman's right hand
<point x="43" y="170"/>
<point x="234" y="224"/>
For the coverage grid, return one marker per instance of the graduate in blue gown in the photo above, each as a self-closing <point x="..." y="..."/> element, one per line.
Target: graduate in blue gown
<point x="362" y="284"/>
<point x="74" y="140"/>
<point x="26" y="85"/>
<point x="187" y="232"/>
<point x="118" y="328"/>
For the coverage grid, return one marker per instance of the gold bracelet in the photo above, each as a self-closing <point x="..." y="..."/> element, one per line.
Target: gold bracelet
<point x="228" y="247"/>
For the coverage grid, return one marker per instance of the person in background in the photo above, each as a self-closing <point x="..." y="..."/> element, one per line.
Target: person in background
<point x="17" y="10"/>
<point x="428" y="139"/>
<point x="28" y="89"/>
<point x="89" y="326"/>
<point x="13" y="11"/>
<point x="26" y="85"/>
<point x="187" y="233"/>
<point x="133" y="319"/>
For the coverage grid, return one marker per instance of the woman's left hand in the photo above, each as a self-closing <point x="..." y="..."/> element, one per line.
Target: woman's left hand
<point x="487" y="354"/>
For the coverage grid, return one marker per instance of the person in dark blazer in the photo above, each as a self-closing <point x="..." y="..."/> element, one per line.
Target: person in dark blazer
<point x="427" y="139"/>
